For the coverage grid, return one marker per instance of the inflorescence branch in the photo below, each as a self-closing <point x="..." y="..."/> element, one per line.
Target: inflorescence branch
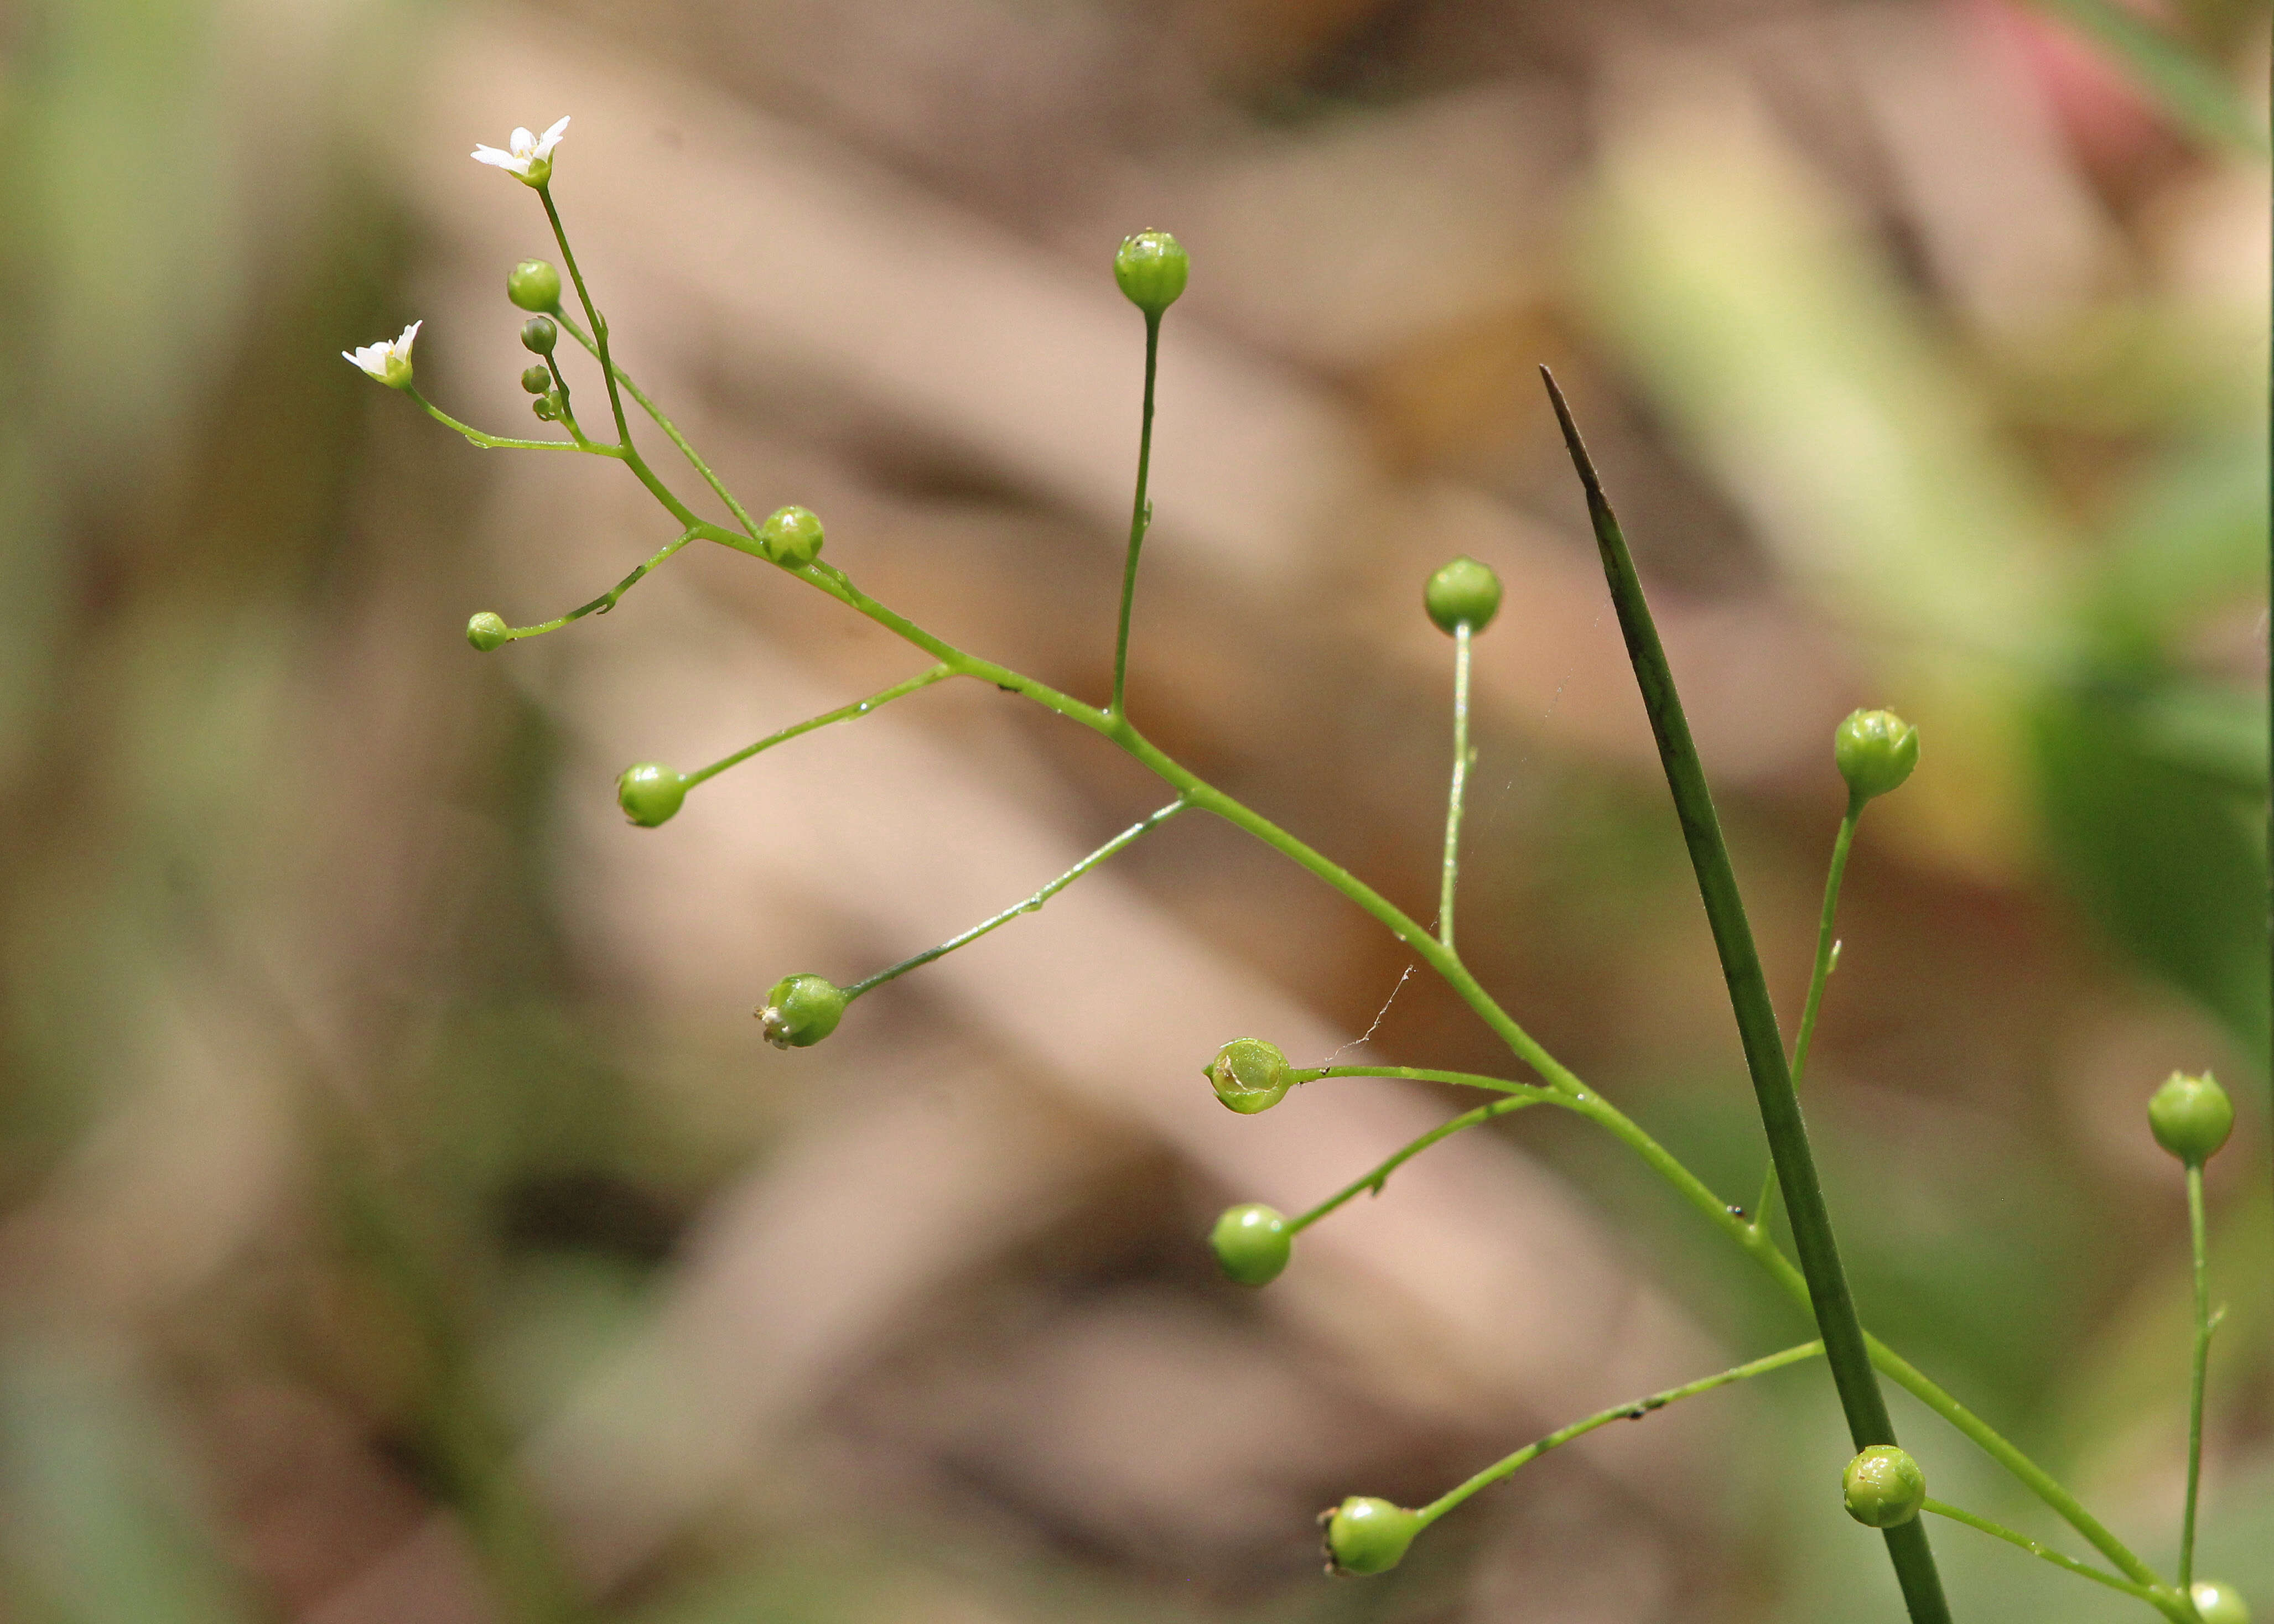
<point x="1875" y="752"/>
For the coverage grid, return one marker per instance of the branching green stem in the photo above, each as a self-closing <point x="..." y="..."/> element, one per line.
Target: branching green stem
<point x="1372" y="1184"/>
<point x="2202" y="1365"/>
<point x="671" y="430"/>
<point x="1560" y="1085"/>
<point x="591" y="314"/>
<point x="498" y="442"/>
<point x="2163" y="1600"/>
<point x="1450" y="881"/>
<point x="1633" y="1409"/>
<point x="1128" y="837"/>
<point x="843" y="713"/>
<point x="1141" y="519"/>
<point x="1828" y="954"/>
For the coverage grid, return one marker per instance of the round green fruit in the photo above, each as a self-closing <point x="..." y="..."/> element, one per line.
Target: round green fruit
<point x="1368" y="1535"/>
<point x="536" y="380"/>
<point x="792" y="536"/>
<point x="800" y="1011"/>
<point x="1462" y="592"/>
<point x="488" y="631"/>
<point x="2219" y="1603"/>
<point x="1876" y="751"/>
<point x="538" y="335"/>
<point x="1884" y="1486"/>
<point x="1251" y="1243"/>
<point x="2191" y="1116"/>
<point x="1152" y="267"/>
<point x="1249" y="1075"/>
<point x="534" y="284"/>
<point x="650" y="794"/>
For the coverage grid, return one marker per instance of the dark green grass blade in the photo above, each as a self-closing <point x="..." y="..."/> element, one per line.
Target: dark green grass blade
<point x="1749" y="996"/>
<point x="2190" y="88"/>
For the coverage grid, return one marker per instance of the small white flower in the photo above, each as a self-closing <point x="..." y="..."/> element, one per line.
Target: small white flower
<point x="529" y="156"/>
<point x="389" y="359"/>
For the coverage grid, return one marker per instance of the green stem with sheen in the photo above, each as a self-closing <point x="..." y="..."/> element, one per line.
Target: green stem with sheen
<point x="499" y="442"/>
<point x="843" y="713"/>
<point x="2163" y="1600"/>
<point x="1845" y="1348"/>
<point x="1372" y="1184"/>
<point x="1141" y="519"/>
<point x="606" y="600"/>
<point x="1128" y="837"/>
<point x="671" y="430"/>
<point x="1450" y="881"/>
<point x="2200" y="1369"/>
<point x="1633" y="1409"/>
<point x="1828" y="954"/>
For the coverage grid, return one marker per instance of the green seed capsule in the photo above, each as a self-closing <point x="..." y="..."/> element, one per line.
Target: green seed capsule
<point x="2219" y="1603"/>
<point x="2191" y="1116"/>
<point x="1462" y="591"/>
<point x="488" y="631"/>
<point x="1249" y="1075"/>
<point x="534" y="284"/>
<point x="792" y="536"/>
<point x="538" y="335"/>
<point x="536" y="380"/>
<point x="1884" y="1486"/>
<point x="650" y="794"/>
<point x="1251" y="1243"/>
<point x="1876" y="751"/>
<point x="800" y="1011"/>
<point x="544" y="408"/>
<point x="1368" y="1535"/>
<point x="1151" y="268"/>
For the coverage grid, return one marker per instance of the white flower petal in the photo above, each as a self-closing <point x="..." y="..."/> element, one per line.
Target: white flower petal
<point x="502" y="160"/>
<point x="409" y="336"/>
<point x="523" y="143"/>
<point x="551" y="138"/>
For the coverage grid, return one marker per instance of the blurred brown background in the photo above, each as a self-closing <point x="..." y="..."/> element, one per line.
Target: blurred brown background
<point x="400" y="1219"/>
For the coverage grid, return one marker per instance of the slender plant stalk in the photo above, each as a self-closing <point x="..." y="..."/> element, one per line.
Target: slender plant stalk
<point x="1633" y="1409"/>
<point x="1450" y="881"/>
<point x="1418" y="1074"/>
<point x="498" y="442"/>
<point x="1128" y="837"/>
<point x="591" y="314"/>
<point x="1373" y="1181"/>
<point x="1563" y="1087"/>
<point x="2163" y="1601"/>
<point x="1845" y="1350"/>
<point x="2196" y="1384"/>
<point x="1827" y="953"/>
<point x="606" y="600"/>
<point x="671" y="430"/>
<point x="843" y="713"/>
<point x="1141" y="519"/>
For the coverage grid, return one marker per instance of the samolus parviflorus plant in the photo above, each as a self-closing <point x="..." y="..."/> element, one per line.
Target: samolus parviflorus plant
<point x="1874" y="751"/>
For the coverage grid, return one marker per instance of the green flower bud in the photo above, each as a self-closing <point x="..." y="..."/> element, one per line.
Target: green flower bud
<point x="791" y="535"/>
<point x="537" y="380"/>
<point x="2219" y="1603"/>
<point x="1151" y="268"/>
<point x="1876" y="751"/>
<point x="1251" y="1243"/>
<point x="538" y="335"/>
<point x="650" y="794"/>
<point x="488" y="631"/>
<point x="1249" y="1075"/>
<point x="534" y="284"/>
<point x="2191" y="1116"/>
<point x="1368" y="1535"/>
<point x="1884" y="1486"/>
<point x="543" y="408"/>
<point x="800" y="1011"/>
<point x="1462" y="591"/>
